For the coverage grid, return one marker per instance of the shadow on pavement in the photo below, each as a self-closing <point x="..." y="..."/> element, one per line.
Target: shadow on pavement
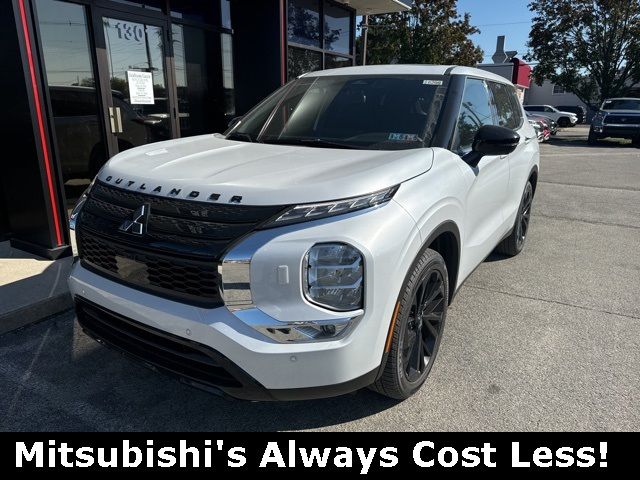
<point x="54" y="377"/>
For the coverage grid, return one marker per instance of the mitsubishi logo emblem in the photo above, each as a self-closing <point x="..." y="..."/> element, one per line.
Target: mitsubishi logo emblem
<point x="138" y="223"/>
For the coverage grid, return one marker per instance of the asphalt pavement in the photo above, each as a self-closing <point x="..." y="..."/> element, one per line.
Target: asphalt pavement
<point x="548" y="340"/>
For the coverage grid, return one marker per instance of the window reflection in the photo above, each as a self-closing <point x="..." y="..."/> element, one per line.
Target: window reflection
<point x="205" y="93"/>
<point x="337" y="29"/>
<point x="335" y="61"/>
<point x="72" y="92"/>
<point x="303" y="61"/>
<point x="304" y="22"/>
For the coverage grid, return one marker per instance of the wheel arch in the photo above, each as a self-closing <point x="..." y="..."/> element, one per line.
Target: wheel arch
<point x="533" y="178"/>
<point x="445" y="239"/>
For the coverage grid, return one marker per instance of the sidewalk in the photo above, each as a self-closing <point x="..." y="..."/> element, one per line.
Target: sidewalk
<point x="31" y="288"/>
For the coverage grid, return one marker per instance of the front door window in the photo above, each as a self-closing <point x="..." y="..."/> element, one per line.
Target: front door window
<point x="140" y="110"/>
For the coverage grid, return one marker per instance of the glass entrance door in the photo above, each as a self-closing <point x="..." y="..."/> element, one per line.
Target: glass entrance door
<point x="138" y="91"/>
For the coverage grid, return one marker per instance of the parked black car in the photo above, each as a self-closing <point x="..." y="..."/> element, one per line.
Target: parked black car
<point x="579" y="110"/>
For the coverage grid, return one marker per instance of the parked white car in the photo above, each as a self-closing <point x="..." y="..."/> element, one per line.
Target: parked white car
<point x="314" y="248"/>
<point x="564" y="119"/>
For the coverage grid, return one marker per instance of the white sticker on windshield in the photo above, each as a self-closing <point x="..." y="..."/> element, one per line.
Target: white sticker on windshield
<point x="403" y="137"/>
<point x="432" y="82"/>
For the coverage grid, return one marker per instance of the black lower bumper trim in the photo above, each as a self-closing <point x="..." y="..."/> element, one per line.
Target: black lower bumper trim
<point x="191" y="362"/>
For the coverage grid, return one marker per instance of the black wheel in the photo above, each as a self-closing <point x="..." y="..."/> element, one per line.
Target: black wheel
<point x="593" y="138"/>
<point x="636" y="142"/>
<point x="563" y="122"/>
<point x="418" y="328"/>
<point x="514" y="243"/>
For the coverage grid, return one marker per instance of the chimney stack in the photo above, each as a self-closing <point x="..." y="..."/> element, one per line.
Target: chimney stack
<point x="500" y="56"/>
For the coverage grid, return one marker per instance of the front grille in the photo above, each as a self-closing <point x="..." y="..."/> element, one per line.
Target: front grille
<point x="184" y="358"/>
<point x="184" y="280"/>
<point x="623" y="119"/>
<point x="178" y="255"/>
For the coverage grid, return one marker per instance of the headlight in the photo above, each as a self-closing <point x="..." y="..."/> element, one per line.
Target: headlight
<point x="316" y="211"/>
<point x="333" y="275"/>
<point x="73" y="218"/>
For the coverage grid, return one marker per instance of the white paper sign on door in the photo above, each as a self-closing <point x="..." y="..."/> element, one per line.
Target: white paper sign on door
<point x="140" y="87"/>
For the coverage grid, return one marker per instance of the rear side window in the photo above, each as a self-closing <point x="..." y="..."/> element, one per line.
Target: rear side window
<point x="529" y="108"/>
<point x="507" y="105"/>
<point x="476" y="111"/>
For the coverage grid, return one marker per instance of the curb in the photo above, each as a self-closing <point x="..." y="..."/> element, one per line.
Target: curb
<point x="35" y="312"/>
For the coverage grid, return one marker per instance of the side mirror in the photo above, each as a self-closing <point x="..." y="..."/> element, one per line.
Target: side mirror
<point x="492" y="140"/>
<point x="234" y="121"/>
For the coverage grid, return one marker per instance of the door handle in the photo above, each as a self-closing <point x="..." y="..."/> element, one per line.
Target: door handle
<point x="115" y="118"/>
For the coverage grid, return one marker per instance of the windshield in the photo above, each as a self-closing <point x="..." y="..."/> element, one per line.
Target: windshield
<point x="361" y="112"/>
<point x="622" y="104"/>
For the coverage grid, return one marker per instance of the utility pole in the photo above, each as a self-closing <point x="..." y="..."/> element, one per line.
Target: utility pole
<point x="364" y="40"/>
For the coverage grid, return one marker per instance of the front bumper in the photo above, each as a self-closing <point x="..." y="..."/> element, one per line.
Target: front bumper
<point x="288" y="370"/>
<point x="617" y="131"/>
<point x="193" y="363"/>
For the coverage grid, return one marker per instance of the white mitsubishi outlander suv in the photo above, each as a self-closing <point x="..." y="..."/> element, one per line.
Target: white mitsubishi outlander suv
<point x="313" y="249"/>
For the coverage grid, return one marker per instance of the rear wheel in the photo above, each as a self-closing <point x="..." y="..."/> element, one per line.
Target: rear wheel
<point x="636" y="142"/>
<point x="514" y="243"/>
<point x="418" y="328"/>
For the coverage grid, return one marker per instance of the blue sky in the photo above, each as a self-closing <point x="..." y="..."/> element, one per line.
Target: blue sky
<point x="511" y="18"/>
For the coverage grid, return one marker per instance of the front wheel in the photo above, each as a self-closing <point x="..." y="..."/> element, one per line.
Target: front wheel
<point x="593" y="138"/>
<point x="417" y="328"/>
<point x="564" y="122"/>
<point x="514" y="243"/>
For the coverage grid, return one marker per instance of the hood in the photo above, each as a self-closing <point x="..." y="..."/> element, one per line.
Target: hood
<point x="261" y="174"/>
<point x="625" y="112"/>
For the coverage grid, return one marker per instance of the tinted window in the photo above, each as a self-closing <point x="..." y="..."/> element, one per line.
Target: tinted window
<point x="549" y="109"/>
<point x="73" y="103"/>
<point x="530" y="108"/>
<point x="622" y="104"/>
<point x="301" y="61"/>
<point x="507" y="105"/>
<point x="304" y="22"/>
<point x="475" y="111"/>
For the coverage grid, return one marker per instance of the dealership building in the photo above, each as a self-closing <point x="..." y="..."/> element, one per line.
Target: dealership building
<point x="86" y="79"/>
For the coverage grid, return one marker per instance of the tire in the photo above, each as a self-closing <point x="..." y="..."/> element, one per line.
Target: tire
<point x="408" y="363"/>
<point x="593" y="138"/>
<point x="563" y="122"/>
<point x="636" y="142"/>
<point x="514" y="243"/>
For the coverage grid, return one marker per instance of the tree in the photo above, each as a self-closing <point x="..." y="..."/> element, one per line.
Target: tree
<point x="589" y="47"/>
<point x="431" y="32"/>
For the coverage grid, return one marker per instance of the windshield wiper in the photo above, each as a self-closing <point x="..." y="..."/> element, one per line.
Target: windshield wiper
<point x="308" y="142"/>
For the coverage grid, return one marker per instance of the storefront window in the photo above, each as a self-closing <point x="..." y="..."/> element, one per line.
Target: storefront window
<point x="337" y="29"/>
<point x="304" y="22"/>
<point x="335" y="61"/>
<point x="155" y="5"/>
<point x="72" y="91"/>
<point x="302" y="61"/>
<point x="312" y="47"/>
<point x="227" y="76"/>
<point x="204" y="79"/>
<point x="225" y="8"/>
<point x="196" y="11"/>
